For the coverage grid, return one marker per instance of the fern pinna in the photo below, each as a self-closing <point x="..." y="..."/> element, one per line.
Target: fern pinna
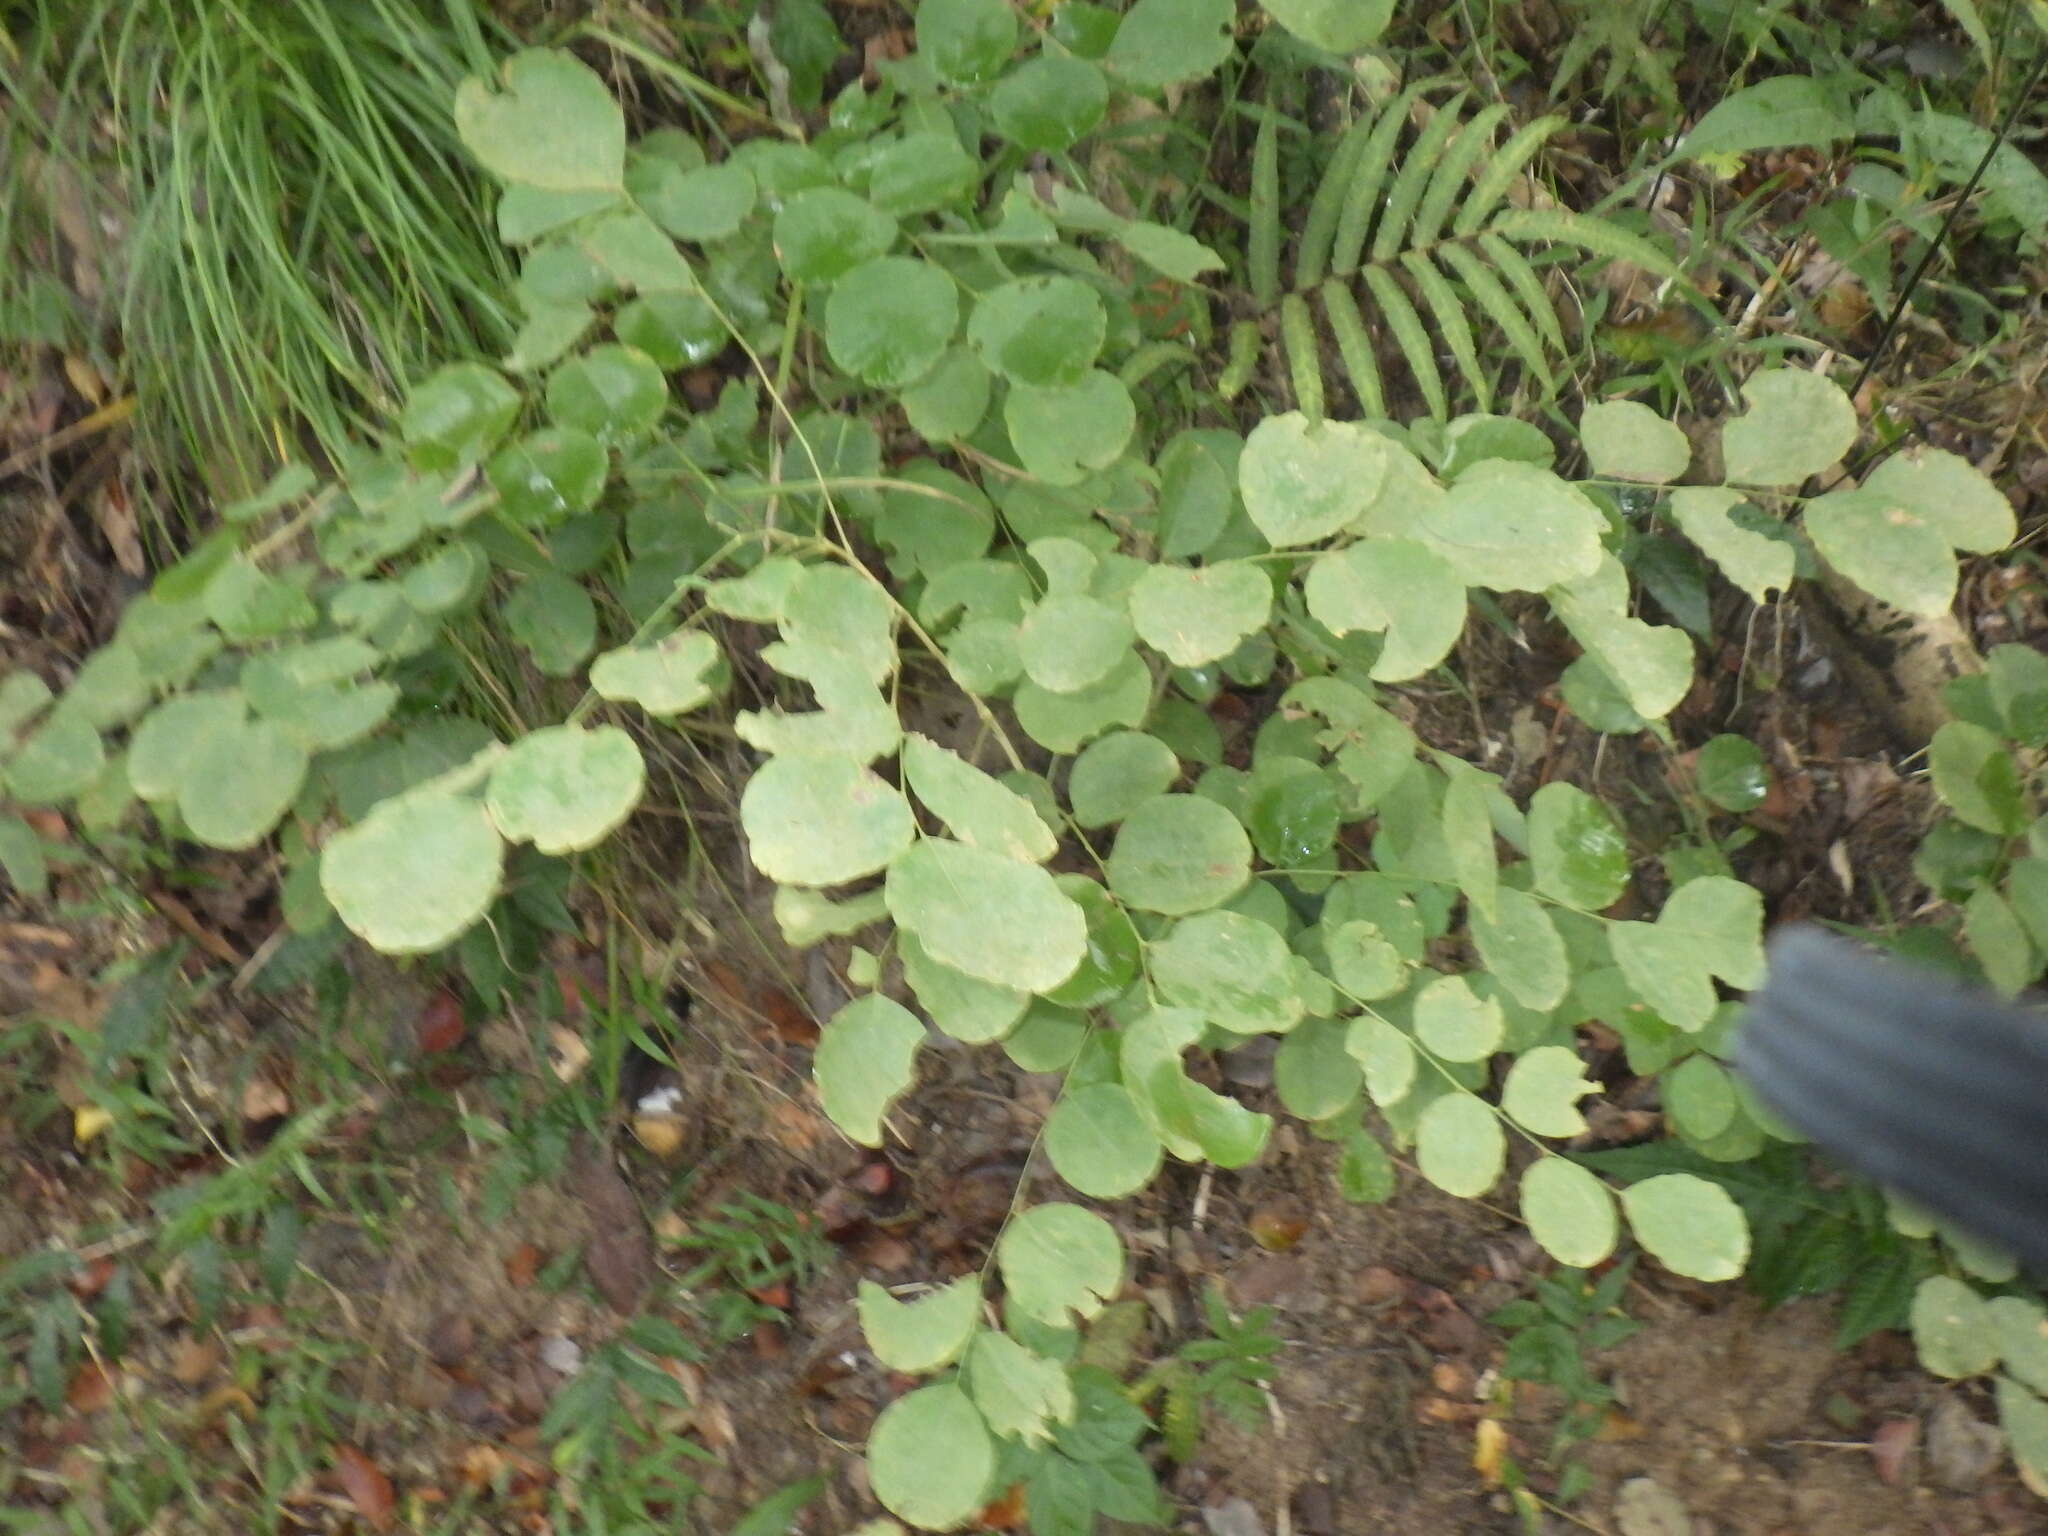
<point x="1422" y="237"/>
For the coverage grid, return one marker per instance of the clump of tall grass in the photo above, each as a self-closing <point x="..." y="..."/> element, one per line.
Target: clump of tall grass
<point x="292" y="228"/>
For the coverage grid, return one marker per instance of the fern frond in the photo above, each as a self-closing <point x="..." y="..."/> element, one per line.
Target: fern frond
<point x="1473" y="140"/>
<point x="1355" y="347"/>
<point x="1595" y="236"/>
<point x="1363" y="194"/>
<point x="1243" y="358"/>
<point x="1399" y="312"/>
<point x="1319" y="229"/>
<point x="1500" y="174"/>
<point x="1521" y="276"/>
<point x="1501" y="308"/>
<point x="1412" y="179"/>
<point x="1304" y="358"/>
<point x="1443" y="302"/>
<point x="1264" y="245"/>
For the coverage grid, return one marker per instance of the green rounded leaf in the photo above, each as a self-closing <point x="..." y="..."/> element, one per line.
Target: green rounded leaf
<point x="1100" y="1144"/>
<point x="1042" y="331"/>
<point x="1459" y="1145"/>
<point x="611" y="392"/>
<point x="1336" y="26"/>
<point x="1570" y="1212"/>
<point x="1543" y="1090"/>
<point x="1178" y="854"/>
<point x="866" y="1058"/>
<point x="1754" y="561"/>
<point x="1111" y="961"/>
<point x="1061" y="1264"/>
<point x="1293" y="811"/>
<point x="1576" y="851"/>
<point x="1948" y="494"/>
<point x="931" y="1458"/>
<point x="922" y="1335"/>
<point x="1116" y="773"/>
<point x="949" y="402"/>
<point x="1234" y="970"/>
<point x="1954" y="1329"/>
<point x="1730" y="772"/>
<point x="1627" y="440"/>
<point x="1062" y="722"/>
<point x="1397" y="585"/>
<point x="1515" y="528"/>
<point x="1689" y="1225"/>
<point x="1710" y="927"/>
<point x="1194" y="615"/>
<point x="823" y="233"/>
<point x="822" y="819"/>
<point x="454" y="416"/>
<point x="888" y="320"/>
<point x="161" y="751"/>
<point x="666" y="678"/>
<point x="62" y="758"/>
<point x="554" y="618"/>
<point x="1455" y="1023"/>
<point x="707" y="203"/>
<point x="2022" y="1329"/>
<point x="677" y="330"/>
<point x="2024" y="1418"/>
<point x="1890" y="550"/>
<point x="1303" y="481"/>
<point x="239" y="783"/>
<point x="1072" y="642"/>
<point x="1387" y="1055"/>
<point x="966" y="41"/>
<point x="1521" y="949"/>
<point x="963" y="1006"/>
<point x="1699" y="1098"/>
<point x="1363" y="962"/>
<point x="1061" y="434"/>
<point x="565" y="788"/>
<point x="1022" y="1395"/>
<point x="549" y="476"/>
<point x="1162" y="42"/>
<point x="1797" y="425"/>
<point x="1976" y="778"/>
<point x="554" y="125"/>
<point x="975" y="807"/>
<point x="415" y="872"/>
<point x="989" y="916"/>
<point x="1049" y="102"/>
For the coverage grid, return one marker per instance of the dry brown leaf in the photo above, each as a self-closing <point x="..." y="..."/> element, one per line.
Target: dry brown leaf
<point x="263" y="1099"/>
<point x="91" y="1388"/>
<point x="193" y="1359"/>
<point x="366" y="1486"/>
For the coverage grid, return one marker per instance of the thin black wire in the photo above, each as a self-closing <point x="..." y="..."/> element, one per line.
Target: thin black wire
<point x="1998" y="142"/>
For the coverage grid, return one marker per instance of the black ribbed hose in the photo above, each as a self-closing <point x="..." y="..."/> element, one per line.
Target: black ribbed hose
<point x="1936" y="1090"/>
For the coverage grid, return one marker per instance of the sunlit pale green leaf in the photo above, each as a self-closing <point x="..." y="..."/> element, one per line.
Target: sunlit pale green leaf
<point x="1396" y="585"/>
<point x="1042" y="331"/>
<point x="565" y="788"/>
<point x="1099" y="1143"/>
<point x="1111" y="960"/>
<point x="1689" y="1225"/>
<point x="930" y="1457"/>
<point x="1520" y="947"/>
<point x="1061" y="1264"/>
<point x="548" y="122"/>
<point x="924" y="1333"/>
<point x="1515" y="528"/>
<point x="239" y="782"/>
<point x="1710" y="927"/>
<point x="1179" y="854"/>
<point x="1459" y="1145"/>
<point x="1336" y="26"/>
<point x="1627" y="440"/>
<point x="1021" y="1394"/>
<point x="993" y="917"/>
<point x="1570" y="1212"/>
<point x="1234" y="970"/>
<point x="1754" y="562"/>
<point x="866" y="1058"/>
<point x="1575" y="849"/>
<point x="1453" y="1022"/>
<point x="1194" y="615"/>
<point x="822" y="819"/>
<point x="1543" y="1090"/>
<point x="1304" y="481"/>
<point x="414" y="873"/>
<point x="976" y="808"/>
<point x="664" y="678"/>
<point x="1798" y="424"/>
<point x="963" y="1006"/>
<point x="60" y="758"/>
